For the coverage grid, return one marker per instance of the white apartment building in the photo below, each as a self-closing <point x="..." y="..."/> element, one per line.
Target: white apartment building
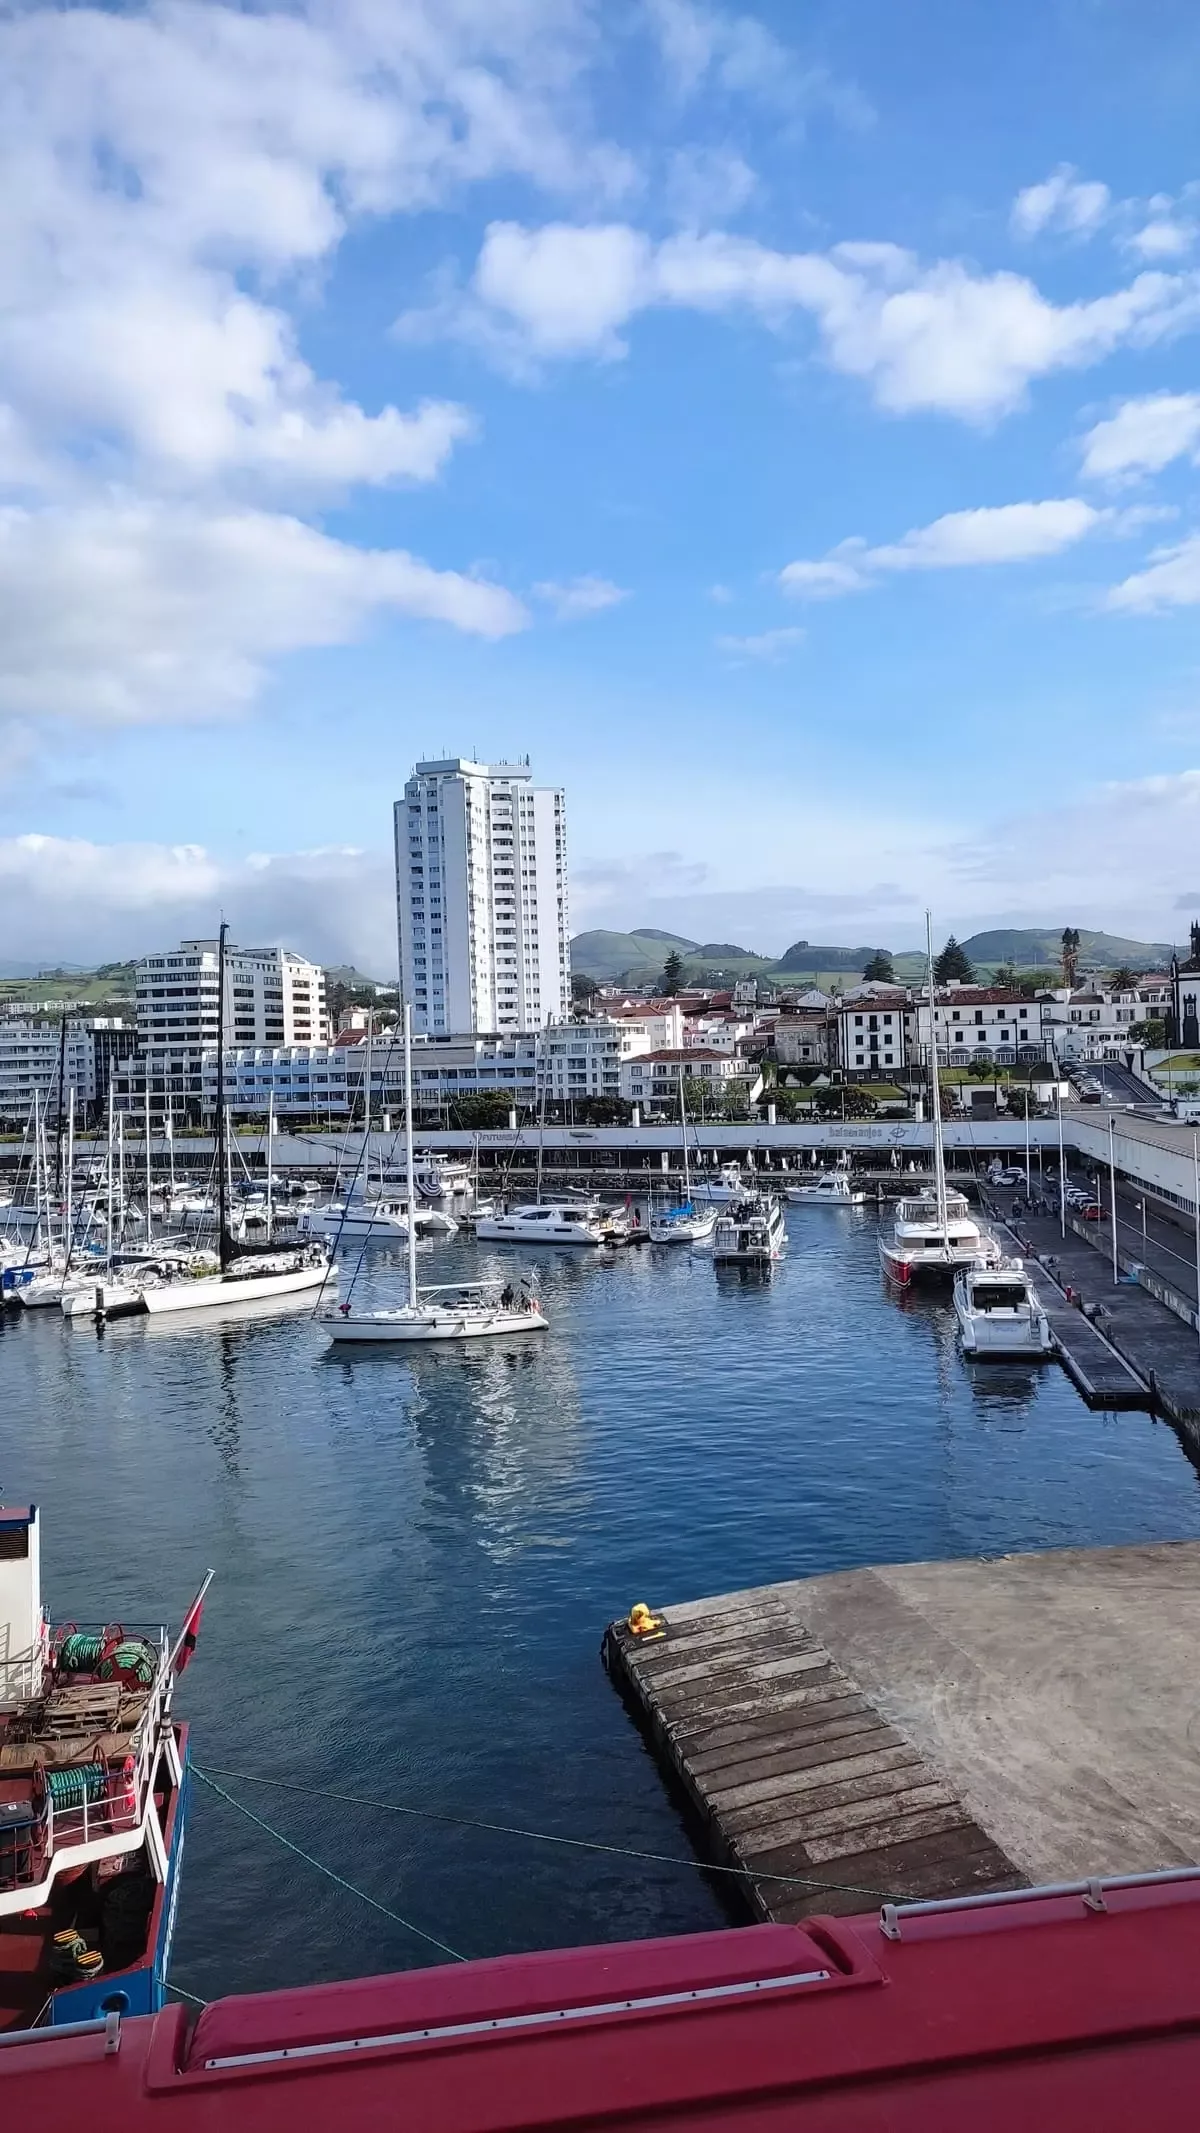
<point x="873" y="1031"/>
<point x="653" y="1077"/>
<point x="481" y="898"/>
<point x="29" y="1063"/>
<point x="980" y="1025"/>
<point x="585" y="1058"/>
<point x="272" y="997"/>
<point x="325" y="1081"/>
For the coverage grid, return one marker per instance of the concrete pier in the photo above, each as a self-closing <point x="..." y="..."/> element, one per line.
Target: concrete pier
<point x="934" y="1728"/>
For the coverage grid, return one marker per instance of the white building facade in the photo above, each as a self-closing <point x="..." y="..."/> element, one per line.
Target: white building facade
<point x="581" y="1059"/>
<point x="272" y="997"/>
<point x="481" y="899"/>
<point x="30" y="1053"/>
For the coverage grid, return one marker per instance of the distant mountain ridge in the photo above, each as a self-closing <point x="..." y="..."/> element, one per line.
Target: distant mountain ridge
<point x="637" y="957"/>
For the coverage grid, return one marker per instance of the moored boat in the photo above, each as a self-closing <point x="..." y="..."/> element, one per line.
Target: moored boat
<point x="93" y="1786"/>
<point x="999" y="1313"/>
<point x="750" y="1233"/>
<point x="832" y="1189"/>
<point x="933" y="1239"/>
<point x="455" y="1311"/>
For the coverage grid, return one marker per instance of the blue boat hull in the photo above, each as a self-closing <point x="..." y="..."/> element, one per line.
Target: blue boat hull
<point x="141" y="1987"/>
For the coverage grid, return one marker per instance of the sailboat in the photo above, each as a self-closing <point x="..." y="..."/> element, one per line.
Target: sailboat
<point x="468" y="1310"/>
<point x="687" y="1224"/>
<point x="246" y="1273"/>
<point x="934" y="1234"/>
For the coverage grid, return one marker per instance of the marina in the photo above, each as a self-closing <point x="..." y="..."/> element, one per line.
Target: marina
<point x="456" y="1526"/>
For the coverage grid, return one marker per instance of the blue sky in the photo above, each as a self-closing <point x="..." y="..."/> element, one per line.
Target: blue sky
<point x="781" y="424"/>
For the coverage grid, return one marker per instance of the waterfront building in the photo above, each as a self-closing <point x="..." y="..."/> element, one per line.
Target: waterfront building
<point x="980" y="1025"/>
<point x="805" y="1038"/>
<point x="580" y="1059"/>
<point x="322" y="1082"/>
<point x="30" y="1052"/>
<point x="652" y="1078"/>
<point x="481" y="898"/>
<point x="272" y="997"/>
<point x="873" y="1023"/>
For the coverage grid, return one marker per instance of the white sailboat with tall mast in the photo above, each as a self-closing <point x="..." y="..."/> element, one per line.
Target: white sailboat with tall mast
<point x="934" y="1235"/>
<point x="686" y="1224"/>
<point x="459" y="1311"/>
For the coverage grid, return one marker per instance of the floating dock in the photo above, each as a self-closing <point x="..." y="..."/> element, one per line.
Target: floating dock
<point x="933" y="1729"/>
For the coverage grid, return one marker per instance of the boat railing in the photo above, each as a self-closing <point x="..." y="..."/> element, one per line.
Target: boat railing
<point x="120" y="1806"/>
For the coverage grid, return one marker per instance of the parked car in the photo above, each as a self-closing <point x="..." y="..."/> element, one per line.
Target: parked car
<point x="1091" y="1211"/>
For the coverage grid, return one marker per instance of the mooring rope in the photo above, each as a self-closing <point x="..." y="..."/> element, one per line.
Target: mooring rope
<point x="540" y="1836"/>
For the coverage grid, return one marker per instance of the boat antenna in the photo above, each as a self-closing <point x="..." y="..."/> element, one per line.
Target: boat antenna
<point x="411" y="1224"/>
<point x="224" y="1241"/>
<point x="935" y="1092"/>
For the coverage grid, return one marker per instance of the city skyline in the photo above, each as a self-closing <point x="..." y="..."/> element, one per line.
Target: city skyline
<point x="784" y="431"/>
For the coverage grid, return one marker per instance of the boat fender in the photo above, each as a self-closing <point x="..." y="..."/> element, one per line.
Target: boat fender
<point x="643" y="1623"/>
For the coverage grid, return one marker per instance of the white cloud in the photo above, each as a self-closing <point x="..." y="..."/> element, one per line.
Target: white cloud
<point x="1163" y="239"/>
<point x="582" y="596"/>
<point x="769" y="647"/>
<point x="177" y="178"/>
<point x="138" y="611"/>
<point x="1143" y="436"/>
<point x="1004" y="533"/>
<point x="1063" y="202"/>
<point x="89" y="902"/>
<point x="708" y="184"/>
<point x="710" y="49"/>
<point x="720" y="595"/>
<point x="1171" y="579"/>
<point x="943" y="337"/>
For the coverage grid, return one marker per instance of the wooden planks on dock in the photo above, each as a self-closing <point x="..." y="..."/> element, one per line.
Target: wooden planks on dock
<point x="795" y="1775"/>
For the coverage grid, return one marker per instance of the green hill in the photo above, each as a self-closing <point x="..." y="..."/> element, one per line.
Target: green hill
<point x="1034" y="948"/>
<point x="637" y="957"/>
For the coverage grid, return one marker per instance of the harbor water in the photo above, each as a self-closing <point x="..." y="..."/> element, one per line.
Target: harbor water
<point x="416" y="1554"/>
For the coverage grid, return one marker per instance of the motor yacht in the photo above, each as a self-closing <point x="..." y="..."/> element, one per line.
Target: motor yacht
<point x="832" y="1188"/>
<point x="999" y="1313"/>
<point x="750" y="1232"/>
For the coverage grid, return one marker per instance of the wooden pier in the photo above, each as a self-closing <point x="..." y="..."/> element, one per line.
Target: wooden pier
<point x="796" y="1776"/>
<point x="932" y="1728"/>
<point x="1089" y="1359"/>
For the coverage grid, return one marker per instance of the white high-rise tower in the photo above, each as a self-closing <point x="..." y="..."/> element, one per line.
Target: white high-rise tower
<point x="481" y="898"/>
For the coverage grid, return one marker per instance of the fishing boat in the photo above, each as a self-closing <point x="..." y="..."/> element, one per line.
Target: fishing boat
<point x="687" y="1223"/>
<point x="933" y="1235"/>
<point x="471" y="1310"/>
<point x="999" y="1313"/>
<point x="93" y="1791"/>
<point x="832" y="1189"/>
<point x="750" y="1233"/>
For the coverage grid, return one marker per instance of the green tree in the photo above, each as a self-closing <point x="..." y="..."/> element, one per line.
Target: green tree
<point x="583" y="989"/>
<point x="881" y="968"/>
<point x="1152" y="1032"/>
<point x="1016" y="1095"/>
<point x="1070" y="953"/>
<point x="672" y="973"/>
<point x="1006" y="975"/>
<point x="1123" y="980"/>
<point x="953" y="962"/>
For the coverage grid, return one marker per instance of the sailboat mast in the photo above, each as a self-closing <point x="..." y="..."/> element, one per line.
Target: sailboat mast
<point x="108" y="1234"/>
<point x="222" y="1121"/>
<point x="149" y="1176"/>
<point x="935" y="1090"/>
<point x="411" y="1224"/>
<point x="270" y="1165"/>
<point x="68" y="1219"/>
<point x="687" y="1175"/>
<point x="62" y="1075"/>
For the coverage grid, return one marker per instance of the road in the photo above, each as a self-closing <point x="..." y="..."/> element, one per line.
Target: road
<point x="1165" y="1246"/>
<point x="1118" y="1084"/>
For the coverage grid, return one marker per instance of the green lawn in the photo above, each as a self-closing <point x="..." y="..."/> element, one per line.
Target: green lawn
<point x="1178" y="1063"/>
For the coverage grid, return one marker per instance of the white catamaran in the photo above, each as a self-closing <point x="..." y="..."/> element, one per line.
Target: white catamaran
<point x="470" y="1310"/>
